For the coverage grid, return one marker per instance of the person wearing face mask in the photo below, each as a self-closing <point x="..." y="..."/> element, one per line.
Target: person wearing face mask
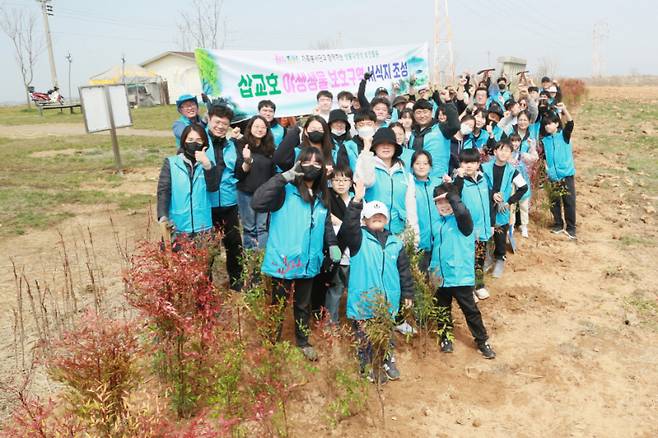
<point x="498" y="92"/>
<point x="314" y="133"/>
<point x="365" y="123"/>
<point x="340" y="133"/>
<point x="188" y="108"/>
<point x="300" y="228"/>
<point x="253" y="167"/>
<point x="185" y="183"/>
<point x="461" y="140"/>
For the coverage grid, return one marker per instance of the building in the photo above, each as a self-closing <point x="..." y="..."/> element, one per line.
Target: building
<point x="511" y="66"/>
<point x="179" y="70"/>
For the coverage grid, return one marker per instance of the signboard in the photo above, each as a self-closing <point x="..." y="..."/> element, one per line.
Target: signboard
<point x="292" y="78"/>
<point x="96" y="108"/>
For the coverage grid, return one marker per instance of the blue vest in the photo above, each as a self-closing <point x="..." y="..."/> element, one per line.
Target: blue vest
<point x="227" y="195"/>
<point x="406" y="155"/>
<point x="427" y="212"/>
<point x="352" y="152"/>
<point x="190" y="207"/>
<point x="475" y="197"/>
<point x="494" y="98"/>
<point x="277" y="132"/>
<point x="523" y="170"/>
<point x="559" y="157"/>
<point x="296" y="238"/>
<point x="184" y="122"/>
<point x="506" y="186"/>
<point x="391" y="189"/>
<point x="453" y="254"/>
<point x="373" y="270"/>
<point x="439" y="148"/>
<point x="481" y="140"/>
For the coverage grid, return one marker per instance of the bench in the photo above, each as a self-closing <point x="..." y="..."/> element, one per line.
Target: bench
<point x="61" y="107"/>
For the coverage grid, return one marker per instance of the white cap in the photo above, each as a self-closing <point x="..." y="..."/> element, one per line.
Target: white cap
<point x="372" y="208"/>
<point x="552" y="89"/>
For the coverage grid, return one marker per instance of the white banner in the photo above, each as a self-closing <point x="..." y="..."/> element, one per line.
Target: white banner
<point x="292" y="78"/>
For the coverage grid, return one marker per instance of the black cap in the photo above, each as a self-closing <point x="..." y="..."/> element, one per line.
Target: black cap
<point x="546" y="79"/>
<point x="495" y="108"/>
<point x="386" y="135"/>
<point x="338" y="115"/>
<point x="422" y="104"/>
<point x="400" y="99"/>
<point x="381" y="90"/>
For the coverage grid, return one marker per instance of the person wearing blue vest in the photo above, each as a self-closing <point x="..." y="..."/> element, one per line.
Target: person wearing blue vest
<point x="387" y="181"/>
<point x="498" y="92"/>
<point x="479" y="134"/>
<point x="300" y="230"/>
<point x="365" y="123"/>
<point x="560" y="168"/>
<point x="314" y="133"/>
<point x="379" y="267"/>
<point x="401" y="139"/>
<point x="524" y="155"/>
<point x="476" y="196"/>
<point x="421" y="163"/>
<point x="188" y="108"/>
<point x="452" y="268"/>
<point x="462" y="139"/>
<point x="508" y="186"/>
<point x="340" y="134"/>
<point x="434" y="137"/>
<point x="267" y="108"/>
<point x="185" y="184"/>
<point x="225" y="201"/>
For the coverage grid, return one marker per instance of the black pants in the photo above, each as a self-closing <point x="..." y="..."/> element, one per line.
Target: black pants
<point x="301" y="304"/>
<point x="464" y="297"/>
<point x="568" y="199"/>
<point x="500" y="241"/>
<point x="226" y="221"/>
<point x="321" y="283"/>
<point x="480" y="257"/>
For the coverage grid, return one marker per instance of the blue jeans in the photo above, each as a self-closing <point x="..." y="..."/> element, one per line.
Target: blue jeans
<point x="335" y="292"/>
<point x="254" y="224"/>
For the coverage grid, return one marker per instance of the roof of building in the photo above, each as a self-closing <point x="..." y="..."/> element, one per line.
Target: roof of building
<point x="185" y="55"/>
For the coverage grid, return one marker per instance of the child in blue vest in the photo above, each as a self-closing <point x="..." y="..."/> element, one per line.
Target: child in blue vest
<point x="476" y="196"/>
<point x="421" y="163"/>
<point x="453" y="270"/>
<point x="378" y="265"/>
<point x="300" y="229"/>
<point x="524" y="155"/>
<point x="185" y="185"/>
<point x="561" y="169"/>
<point x="188" y="108"/>
<point x="508" y="186"/>
<point x="340" y="197"/>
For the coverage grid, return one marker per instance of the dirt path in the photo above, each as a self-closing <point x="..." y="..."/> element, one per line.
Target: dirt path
<point x="574" y="357"/>
<point x="61" y="129"/>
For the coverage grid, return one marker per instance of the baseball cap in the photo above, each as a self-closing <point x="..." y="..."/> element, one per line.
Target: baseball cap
<point x="372" y="208"/>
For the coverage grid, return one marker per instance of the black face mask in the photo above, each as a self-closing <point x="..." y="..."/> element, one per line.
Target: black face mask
<point x="311" y="173"/>
<point x="189" y="148"/>
<point x="501" y="86"/>
<point x="316" y="137"/>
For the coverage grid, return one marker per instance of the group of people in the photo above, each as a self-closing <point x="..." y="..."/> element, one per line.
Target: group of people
<point x="333" y="201"/>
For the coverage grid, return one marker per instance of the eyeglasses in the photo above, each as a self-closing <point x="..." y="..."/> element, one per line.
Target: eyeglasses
<point x="342" y="180"/>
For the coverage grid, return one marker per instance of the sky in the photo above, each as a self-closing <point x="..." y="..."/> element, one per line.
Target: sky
<point x="98" y="33"/>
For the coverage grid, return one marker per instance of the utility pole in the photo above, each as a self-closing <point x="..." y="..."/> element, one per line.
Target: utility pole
<point x="123" y="69"/>
<point x="47" y="10"/>
<point x="444" y="63"/>
<point x="69" y="58"/>
<point x="599" y="35"/>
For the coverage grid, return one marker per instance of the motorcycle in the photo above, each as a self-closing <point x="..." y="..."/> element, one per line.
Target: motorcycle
<point x="51" y="96"/>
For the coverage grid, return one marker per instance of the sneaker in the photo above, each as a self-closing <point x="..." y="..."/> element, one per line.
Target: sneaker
<point x="377" y="376"/>
<point x="499" y="268"/>
<point x="310" y="353"/>
<point x="482" y="293"/>
<point x="475" y="298"/>
<point x="488" y="262"/>
<point x="486" y="350"/>
<point x="524" y="231"/>
<point x="446" y="346"/>
<point x="557" y="229"/>
<point x="571" y="235"/>
<point x="390" y="368"/>
<point x="406" y="329"/>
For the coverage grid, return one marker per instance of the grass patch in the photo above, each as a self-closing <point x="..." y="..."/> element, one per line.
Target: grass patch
<point x="645" y="306"/>
<point x="156" y="117"/>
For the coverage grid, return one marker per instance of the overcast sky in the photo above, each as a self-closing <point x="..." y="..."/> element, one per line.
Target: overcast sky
<point x="98" y="33"/>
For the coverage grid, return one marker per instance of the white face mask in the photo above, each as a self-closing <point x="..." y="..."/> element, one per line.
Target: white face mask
<point x="338" y="132"/>
<point x="465" y="129"/>
<point x="366" y="131"/>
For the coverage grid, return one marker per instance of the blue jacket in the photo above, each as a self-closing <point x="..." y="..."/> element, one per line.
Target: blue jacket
<point x="190" y="207"/>
<point x="453" y="253"/>
<point x="227" y="195"/>
<point x="559" y="157"/>
<point x="391" y="189"/>
<point x="296" y="235"/>
<point x="439" y="148"/>
<point x="427" y="212"/>
<point x="506" y="187"/>
<point x="481" y="140"/>
<point x="406" y="155"/>
<point x="476" y="197"/>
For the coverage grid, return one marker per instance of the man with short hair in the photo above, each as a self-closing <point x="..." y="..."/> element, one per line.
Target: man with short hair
<point x="188" y="108"/>
<point x="325" y="101"/>
<point x="267" y="108"/>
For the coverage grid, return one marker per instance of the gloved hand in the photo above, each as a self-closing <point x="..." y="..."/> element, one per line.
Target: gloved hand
<point x="293" y="172"/>
<point x="502" y="207"/>
<point x="335" y="254"/>
<point x="367" y="75"/>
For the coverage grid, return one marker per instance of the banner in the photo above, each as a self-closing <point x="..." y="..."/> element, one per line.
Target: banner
<point x="292" y="78"/>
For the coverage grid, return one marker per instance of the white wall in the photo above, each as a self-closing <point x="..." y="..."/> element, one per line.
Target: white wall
<point x="181" y="75"/>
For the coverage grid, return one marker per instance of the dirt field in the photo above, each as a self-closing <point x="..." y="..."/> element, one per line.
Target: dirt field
<point x="575" y="325"/>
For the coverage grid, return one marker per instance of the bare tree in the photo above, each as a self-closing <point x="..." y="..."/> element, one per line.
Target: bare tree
<point x="547" y="66"/>
<point x="20" y="27"/>
<point x="202" y="24"/>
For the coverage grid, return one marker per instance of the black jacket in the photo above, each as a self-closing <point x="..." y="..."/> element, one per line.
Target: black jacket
<point x="164" y="185"/>
<point x="262" y="169"/>
<point x="284" y="155"/>
<point x="350" y="236"/>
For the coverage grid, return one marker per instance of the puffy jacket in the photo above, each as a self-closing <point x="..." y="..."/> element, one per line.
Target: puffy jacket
<point x="476" y="196"/>
<point x="559" y="157"/>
